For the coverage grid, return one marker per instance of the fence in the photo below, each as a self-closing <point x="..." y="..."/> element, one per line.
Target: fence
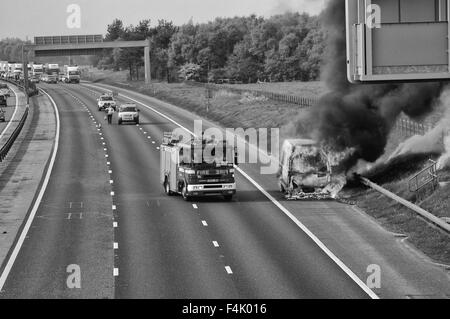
<point x="285" y="98"/>
<point x="410" y="128"/>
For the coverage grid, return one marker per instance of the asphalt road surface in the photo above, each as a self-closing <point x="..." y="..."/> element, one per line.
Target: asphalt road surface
<point x="105" y="211"/>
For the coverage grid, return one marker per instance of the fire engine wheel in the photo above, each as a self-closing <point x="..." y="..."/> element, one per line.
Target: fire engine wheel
<point x="184" y="194"/>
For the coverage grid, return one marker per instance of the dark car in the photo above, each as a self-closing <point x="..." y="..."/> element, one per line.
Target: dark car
<point x="2" y="115"/>
<point x="3" y="101"/>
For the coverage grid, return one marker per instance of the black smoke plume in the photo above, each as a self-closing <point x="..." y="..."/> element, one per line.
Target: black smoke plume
<point x="361" y="116"/>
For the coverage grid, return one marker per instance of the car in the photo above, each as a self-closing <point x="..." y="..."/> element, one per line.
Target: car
<point x="3" y="102"/>
<point x="128" y="113"/>
<point x="2" y="115"/>
<point x="4" y="90"/>
<point x="104" y="101"/>
<point x="35" y="80"/>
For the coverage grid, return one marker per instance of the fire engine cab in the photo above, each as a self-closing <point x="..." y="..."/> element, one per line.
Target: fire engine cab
<point x="197" y="168"/>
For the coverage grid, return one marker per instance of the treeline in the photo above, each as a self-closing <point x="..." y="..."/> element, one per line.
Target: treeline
<point x="248" y="49"/>
<point x="11" y="50"/>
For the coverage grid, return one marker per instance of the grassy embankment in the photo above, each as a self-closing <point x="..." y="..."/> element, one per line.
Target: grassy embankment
<point x="232" y="110"/>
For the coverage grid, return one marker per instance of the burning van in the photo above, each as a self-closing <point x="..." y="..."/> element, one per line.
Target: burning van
<point x="306" y="172"/>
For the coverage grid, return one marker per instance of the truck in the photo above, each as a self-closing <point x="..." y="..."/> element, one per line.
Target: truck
<point x="188" y="169"/>
<point x="51" y="69"/>
<point x="3" y="68"/>
<point x="306" y="172"/>
<point x="17" y="70"/>
<point x="72" y="74"/>
<point x="36" y="72"/>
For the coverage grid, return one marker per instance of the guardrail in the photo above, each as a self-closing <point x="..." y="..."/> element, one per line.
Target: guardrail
<point x="420" y="211"/>
<point x="12" y="138"/>
<point x="427" y="177"/>
<point x="5" y="149"/>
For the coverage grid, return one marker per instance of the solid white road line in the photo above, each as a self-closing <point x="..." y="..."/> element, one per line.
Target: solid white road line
<point x="14" y="113"/>
<point x="23" y="235"/>
<point x="319" y="243"/>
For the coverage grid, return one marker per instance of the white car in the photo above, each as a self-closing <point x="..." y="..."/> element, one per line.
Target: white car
<point x="128" y="113"/>
<point x="105" y="101"/>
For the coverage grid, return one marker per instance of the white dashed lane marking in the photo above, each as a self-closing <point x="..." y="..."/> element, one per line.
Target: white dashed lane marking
<point x="228" y="269"/>
<point x="116" y="272"/>
<point x="216" y="244"/>
<point x="204" y="223"/>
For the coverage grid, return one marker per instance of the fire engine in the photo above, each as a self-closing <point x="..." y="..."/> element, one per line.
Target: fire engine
<point x="199" y="167"/>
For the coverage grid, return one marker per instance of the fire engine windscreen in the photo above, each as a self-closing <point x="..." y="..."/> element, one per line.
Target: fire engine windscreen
<point x="207" y="152"/>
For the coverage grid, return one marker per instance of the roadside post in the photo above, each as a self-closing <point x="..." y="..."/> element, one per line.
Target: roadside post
<point x="25" y="73"/>
<point x="209" y="96"/>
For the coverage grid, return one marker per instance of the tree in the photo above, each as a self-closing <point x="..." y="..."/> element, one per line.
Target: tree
<point x="115" y="30"/>
<point x="190" y="71"/>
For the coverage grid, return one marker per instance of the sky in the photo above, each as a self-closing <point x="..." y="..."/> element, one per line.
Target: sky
<point x="49" y="17"/>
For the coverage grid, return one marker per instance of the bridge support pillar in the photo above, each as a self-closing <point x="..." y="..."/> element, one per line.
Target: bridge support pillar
<point x="148" y="77"/>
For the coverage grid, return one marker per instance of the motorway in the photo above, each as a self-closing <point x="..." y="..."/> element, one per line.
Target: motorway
<point x="105" y="211"/>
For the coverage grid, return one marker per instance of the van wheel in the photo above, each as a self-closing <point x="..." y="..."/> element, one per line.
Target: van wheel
<point x="167" y="188"/>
